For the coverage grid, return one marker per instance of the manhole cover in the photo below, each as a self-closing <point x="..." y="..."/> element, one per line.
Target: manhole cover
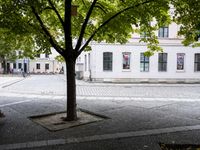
<point x="179" y="147"/>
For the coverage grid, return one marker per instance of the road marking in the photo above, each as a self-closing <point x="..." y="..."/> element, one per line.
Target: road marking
<point x="12" y="82"/>
<point x="14" y="103"/>
<point x="35" y="144"/>
<point x="87" y="97"/>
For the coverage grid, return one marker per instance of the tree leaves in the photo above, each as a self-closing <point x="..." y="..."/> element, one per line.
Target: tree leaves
<point x="187" y="15"/>
<point x="40" y="24"/>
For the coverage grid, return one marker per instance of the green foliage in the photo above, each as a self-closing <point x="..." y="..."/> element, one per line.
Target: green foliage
<point x="187" y="15"/>
<point x="41" y="24"/>
<point x="60" y="58"/>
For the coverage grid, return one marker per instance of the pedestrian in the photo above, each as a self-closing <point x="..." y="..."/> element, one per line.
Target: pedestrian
<point x="23" y="73"/>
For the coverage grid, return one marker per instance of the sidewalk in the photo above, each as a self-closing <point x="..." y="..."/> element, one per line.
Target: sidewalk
<point x="133" y="125"/>
<point x="136" y="123"/>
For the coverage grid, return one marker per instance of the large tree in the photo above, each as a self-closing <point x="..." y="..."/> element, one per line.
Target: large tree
<point x="53" y="23"/>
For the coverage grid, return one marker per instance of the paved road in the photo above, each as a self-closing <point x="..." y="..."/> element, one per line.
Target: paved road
<point x="139" y="119"/>
<point x="55" y="85"/>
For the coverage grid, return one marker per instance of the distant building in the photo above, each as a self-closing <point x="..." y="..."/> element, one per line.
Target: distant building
<point x="43" y="64"/>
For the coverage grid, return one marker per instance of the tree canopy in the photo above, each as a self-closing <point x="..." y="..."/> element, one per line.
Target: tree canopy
<point x="44" y="23"/>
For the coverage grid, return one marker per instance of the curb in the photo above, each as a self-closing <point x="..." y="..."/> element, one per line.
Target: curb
<point x="53" y="142"/>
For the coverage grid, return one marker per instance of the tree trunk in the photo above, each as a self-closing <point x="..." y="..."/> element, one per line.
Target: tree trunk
<point x="4" y="66"/>
<point x="71" y="91"/>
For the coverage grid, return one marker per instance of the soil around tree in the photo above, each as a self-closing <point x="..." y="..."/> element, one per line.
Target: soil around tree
<point x="55" y="122"/>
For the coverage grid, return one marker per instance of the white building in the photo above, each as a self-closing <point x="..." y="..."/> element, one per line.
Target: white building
<point x="43" y="64"/>
<point x="126" y="63"/>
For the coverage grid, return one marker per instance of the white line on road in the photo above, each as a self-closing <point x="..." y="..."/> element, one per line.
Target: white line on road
<point x="14" y="103"/>
<point x="35" y="144"/>
<point x="87" y="97"/>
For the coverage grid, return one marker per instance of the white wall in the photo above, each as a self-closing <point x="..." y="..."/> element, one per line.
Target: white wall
<point x="171" y="45"/>
<point x="54" y="66"/>
<point x="119" y="75"/>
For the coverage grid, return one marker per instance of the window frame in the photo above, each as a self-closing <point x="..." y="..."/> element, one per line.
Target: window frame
<point x="47" y="64"/>
<point x="196" y="62"/>
<point x="145" y="61"/>
<point x="163" y="33"/>
<point x="14" y="65"/>
<point x="143" y="34"/>
<point x="19" y="65"/>
<point x="108" y="64"/>
<point x="178" y="56"/>
<point x="129" y="61"/>
<point x="38" y="66"/>
<point x="162" y="62"/>
<point x="46" y="55"/>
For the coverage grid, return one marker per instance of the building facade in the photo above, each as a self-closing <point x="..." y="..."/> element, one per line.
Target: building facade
<point x="127" y="63"/>
<point x="42" y="64"/>
<point x="45" y="64"/>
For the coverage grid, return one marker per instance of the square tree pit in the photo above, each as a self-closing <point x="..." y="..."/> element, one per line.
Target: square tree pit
<point x="54" y="121"/>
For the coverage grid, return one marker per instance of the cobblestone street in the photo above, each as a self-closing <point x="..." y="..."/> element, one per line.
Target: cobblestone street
<point x="56" y="85"/>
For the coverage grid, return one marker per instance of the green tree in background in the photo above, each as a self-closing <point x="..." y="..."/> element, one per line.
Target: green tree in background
<point x="9" y="44"/>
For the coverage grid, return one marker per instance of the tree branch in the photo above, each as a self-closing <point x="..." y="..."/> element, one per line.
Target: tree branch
<point x="57" y="13"/>
<point x="78" y="45"/>
<point x="47" y="33"/>
<point x="83" y="2"/>
<point x="107" y="21"/>
<point x="101" y="7"/>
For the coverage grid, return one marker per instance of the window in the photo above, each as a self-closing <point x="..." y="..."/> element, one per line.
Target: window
<point x="14" y="65"/>
<point x="38" y="55"/>
<point x="163" y="32"/>
<point x="46" y="55"/>
<point x="143" y="34"/>
<point x="79" y="59"/>
<point x="180" y="61"/>
<point x="126" y="60"/>
<point x="37" y="66"/>
<point x="19" y="65"/>
<point x="20" y="53"/>
<point x="144" y="63"/>
<point x="162" y="62"/>
<point x="107" y="61"/>
<point x="46" y="66"/>
<point x="197" y="62"/>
